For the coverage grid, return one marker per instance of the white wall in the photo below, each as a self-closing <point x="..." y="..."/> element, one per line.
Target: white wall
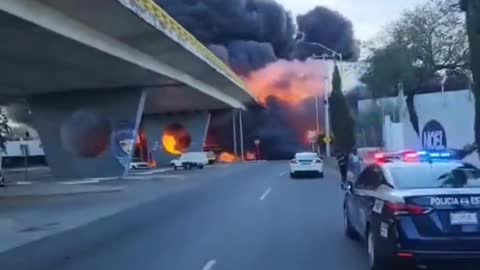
<point x="455" y="113"/>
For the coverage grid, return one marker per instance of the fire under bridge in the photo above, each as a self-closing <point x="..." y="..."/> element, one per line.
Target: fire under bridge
<point x="94" y="73"/>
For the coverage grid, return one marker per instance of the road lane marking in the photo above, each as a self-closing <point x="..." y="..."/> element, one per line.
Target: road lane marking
<point x="265" y="194"/>
<point x="283" y="173"/>
<point x="209" y="265"/>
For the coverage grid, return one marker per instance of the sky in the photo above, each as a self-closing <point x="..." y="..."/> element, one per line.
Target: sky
<point x="369" y="17"/>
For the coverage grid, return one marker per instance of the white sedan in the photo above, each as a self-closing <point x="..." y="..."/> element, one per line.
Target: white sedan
<point x="306" y="163"/>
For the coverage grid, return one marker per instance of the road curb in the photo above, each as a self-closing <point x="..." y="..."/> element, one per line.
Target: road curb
<point x="61" y="194"/>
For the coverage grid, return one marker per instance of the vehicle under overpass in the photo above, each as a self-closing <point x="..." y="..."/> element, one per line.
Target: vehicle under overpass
<point x="91" y="70"/>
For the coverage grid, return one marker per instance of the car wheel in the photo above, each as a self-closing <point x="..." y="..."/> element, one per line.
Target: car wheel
<point x="374" y="258"/>
<point x="321" y="175"/>
<point x="349" y="230"/>
<point x="200" y="166"/>
<point x="292" y="175"/>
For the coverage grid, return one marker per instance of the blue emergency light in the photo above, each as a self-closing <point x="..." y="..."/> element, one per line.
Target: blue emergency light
<point x="435" y="156"/>
<point x="415" y="156"/>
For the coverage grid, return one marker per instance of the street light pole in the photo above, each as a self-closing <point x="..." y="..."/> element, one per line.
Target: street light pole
<point x="241" y="136"/>
<point x="317" y="120"/>
<point x="335" y="55"/>
<point x="234" y="118"/>
<point x="328" y="149"/>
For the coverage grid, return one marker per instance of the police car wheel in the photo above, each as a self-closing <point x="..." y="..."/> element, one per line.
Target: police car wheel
<point x="375" y="260"/>
<point x="349" y="230"/>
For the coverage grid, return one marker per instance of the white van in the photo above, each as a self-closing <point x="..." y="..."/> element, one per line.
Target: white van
<point x="191" y="160"/>
<point x="212" y="158"/>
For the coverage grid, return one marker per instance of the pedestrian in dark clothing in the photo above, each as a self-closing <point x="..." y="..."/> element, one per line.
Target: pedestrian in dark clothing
<point x="342" y="160"/>
<point x="2" y="180"/>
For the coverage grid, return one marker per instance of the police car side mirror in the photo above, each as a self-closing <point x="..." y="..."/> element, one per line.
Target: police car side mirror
<point x="347" y="186"/>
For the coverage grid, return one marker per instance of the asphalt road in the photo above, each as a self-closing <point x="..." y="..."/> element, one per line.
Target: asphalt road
<point x="243" y="217"/>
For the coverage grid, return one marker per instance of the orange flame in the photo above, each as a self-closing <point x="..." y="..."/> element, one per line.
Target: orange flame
<point x="170" y="144"/>
<point x="226" y="158"/>
<point x="289" y="81"/>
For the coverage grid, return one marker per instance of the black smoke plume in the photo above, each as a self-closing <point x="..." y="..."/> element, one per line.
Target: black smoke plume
<point x="253" y="35"/>
<point x="329" y="28"/>
<point x="247" y="34"/>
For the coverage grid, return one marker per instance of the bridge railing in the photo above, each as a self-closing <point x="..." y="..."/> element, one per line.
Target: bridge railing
<point x="159" y="18"/>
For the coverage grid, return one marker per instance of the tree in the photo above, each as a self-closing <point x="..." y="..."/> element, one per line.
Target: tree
<point x="435" y="33"/>
<point x="5" y="130"/>
<point x="340" y="116"/>
<point x="389" y="67"/>
<point x="472" y="9"/>
<point x="425" y="40"/>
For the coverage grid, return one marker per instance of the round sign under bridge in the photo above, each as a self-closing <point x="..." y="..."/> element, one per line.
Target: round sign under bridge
<point x="434" y="137"/>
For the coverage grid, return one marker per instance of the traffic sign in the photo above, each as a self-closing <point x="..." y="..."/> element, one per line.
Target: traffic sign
<point x="327" y="140"/>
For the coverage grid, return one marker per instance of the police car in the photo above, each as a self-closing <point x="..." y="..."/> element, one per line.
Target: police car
<point x="415" y="208"/>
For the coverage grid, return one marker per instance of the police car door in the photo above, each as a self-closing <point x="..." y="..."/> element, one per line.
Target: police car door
<point x="367" y="194"/>
<point x="355" y="203"/>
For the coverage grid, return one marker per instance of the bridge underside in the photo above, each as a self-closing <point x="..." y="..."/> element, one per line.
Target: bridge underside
<point x="89" y="78"/>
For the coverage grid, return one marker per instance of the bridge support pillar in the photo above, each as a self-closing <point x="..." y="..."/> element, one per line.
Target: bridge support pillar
<point x="88" y="133"/>
<point x="187" y="133"/>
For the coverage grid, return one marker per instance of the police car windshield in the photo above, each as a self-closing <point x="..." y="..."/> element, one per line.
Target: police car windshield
<point x="452" y="175"/>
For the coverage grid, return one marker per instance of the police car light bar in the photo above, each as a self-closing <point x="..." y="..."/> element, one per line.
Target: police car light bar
<point x="445" y="155"/>
<point x="413" y="156"/>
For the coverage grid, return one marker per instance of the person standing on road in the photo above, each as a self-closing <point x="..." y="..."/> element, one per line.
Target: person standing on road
<point x="342" y="160"/>
<point x="355" y="161"/>
<point x="2" y="180"/>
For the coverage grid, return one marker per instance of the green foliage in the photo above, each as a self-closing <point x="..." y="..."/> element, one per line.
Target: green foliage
<point x="472" y="8"/>
<point x="427" y="39"/>
<point x="389" y="67"/>
<point x="5" y="130"/>
<point x="340" y="117"/>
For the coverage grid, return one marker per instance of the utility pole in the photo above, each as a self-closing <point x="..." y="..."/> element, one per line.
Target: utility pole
<point x="241" y="136"/>
<point x="318" y="124"/>
<point x="234" y="118"/>
<point x="328" y="149"/>
<point x="335" y="55"/>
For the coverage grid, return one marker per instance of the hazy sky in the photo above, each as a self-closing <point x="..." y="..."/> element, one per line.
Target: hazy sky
<point x="368" y="16"/>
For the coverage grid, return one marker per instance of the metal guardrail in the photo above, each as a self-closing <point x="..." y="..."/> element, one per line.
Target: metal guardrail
<point x="156" y="16"/>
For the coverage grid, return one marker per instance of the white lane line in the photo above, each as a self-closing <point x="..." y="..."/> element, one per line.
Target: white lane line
<point x="209" y="265"/>
<point x="265" y="194"/>
<point x="283" y="173"/>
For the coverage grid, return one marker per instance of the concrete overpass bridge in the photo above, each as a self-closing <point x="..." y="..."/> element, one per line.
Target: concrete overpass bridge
<point x="91" y="70"/>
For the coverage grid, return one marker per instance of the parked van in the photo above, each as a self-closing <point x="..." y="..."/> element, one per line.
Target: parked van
<point x="212" y="158"/>
<point x="191" y="160"/>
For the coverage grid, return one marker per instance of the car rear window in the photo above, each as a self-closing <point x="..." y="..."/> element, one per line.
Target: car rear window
<point x="306" y="157"/>
<point x="453" y="175"/>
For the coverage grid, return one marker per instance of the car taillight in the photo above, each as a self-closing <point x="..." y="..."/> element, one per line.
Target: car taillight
<point x="399" y="209"/>
<point x="293" y="161"/>
<point x="318" y="161"/>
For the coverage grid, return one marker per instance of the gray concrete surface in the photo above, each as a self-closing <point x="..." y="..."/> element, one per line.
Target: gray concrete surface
<point x="249" y="216"/>
<point x="71" y="124"/>
<point x="50" y="190"/>
<point x="94" y="51"/>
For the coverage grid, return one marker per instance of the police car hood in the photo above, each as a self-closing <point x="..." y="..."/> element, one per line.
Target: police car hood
<point x="435" y="192"/>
